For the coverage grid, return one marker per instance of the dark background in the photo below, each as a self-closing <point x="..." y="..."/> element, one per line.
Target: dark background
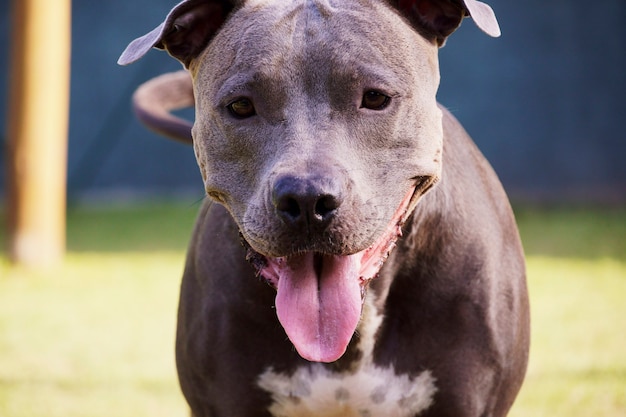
<point x="545" y="102"/>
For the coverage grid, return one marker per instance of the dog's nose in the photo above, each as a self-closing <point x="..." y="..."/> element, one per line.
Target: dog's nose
<point x="313" y="201"/>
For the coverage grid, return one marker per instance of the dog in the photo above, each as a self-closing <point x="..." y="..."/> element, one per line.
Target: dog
<point x="396" y="273"/>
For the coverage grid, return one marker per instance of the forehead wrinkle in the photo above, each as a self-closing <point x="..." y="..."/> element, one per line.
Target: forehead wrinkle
<point x="309" y="44"/>
<point x="278" y="30"/>
<point x="341" y="46"/>
<point x="314" y="29"/>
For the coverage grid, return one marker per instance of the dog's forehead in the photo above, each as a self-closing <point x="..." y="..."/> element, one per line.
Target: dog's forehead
<point x="282" y="35"/>
<point x="330" y="22"/>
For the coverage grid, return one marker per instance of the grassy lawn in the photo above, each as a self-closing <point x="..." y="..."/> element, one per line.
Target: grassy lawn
<point x="95" y="336"/>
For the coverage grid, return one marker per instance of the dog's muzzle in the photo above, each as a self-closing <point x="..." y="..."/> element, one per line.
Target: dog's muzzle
<point x="319" y="295"/>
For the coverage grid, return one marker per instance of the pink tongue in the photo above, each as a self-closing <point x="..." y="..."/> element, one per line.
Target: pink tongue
<point x="319" y="307"/>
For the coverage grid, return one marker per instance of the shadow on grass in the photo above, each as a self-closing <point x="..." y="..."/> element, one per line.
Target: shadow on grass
<point x="562" y="232"/>
<point x="573" y="232"/>
<point x="118" y="228"/>
<point x="137" y="228"/>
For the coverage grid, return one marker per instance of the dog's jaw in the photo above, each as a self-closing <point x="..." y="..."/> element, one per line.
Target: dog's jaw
<point x="319" y="296"/>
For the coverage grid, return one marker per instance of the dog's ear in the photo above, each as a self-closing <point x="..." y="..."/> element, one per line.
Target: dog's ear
<point x="439" y="18"/>
<point x="187" y="29"/>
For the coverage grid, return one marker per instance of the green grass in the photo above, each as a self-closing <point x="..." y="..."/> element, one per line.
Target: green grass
<point x="136" y="228"/>
<point x="91" y="338"/>
<point x="578" y="349"/>
<point x="94" y="337"/>
<point x="582" y="232"/>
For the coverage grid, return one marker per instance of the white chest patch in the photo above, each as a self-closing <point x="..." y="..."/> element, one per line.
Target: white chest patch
<point x="366" y="390"/>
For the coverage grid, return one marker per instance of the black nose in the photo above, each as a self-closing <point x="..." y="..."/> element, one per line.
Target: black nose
<point x="311" y="202"/>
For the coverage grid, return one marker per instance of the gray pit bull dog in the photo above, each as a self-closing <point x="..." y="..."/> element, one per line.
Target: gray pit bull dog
<point x="322" y="147"/>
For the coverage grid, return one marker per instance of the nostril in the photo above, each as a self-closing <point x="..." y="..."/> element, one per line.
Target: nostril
<point x="326" y="206"/>
<point x="306" y="201"/>
<point x="288" y="206"/>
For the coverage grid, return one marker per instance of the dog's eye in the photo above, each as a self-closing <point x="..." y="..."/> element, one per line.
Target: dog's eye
<point x="375" y="100"/>
<point x="242" y="108"/>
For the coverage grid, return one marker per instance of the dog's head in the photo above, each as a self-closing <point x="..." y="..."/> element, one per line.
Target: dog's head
<point x="317" y="127"/>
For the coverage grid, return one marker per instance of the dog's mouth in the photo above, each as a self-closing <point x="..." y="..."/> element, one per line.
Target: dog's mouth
<point x="320" y="296"/>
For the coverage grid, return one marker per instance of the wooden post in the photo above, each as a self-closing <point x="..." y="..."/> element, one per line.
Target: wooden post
<point x="37" y="130"/>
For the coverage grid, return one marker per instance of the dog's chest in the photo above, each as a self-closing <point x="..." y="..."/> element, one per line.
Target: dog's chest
<point x="313" y="391"/>
<point x="365" y="390"/>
